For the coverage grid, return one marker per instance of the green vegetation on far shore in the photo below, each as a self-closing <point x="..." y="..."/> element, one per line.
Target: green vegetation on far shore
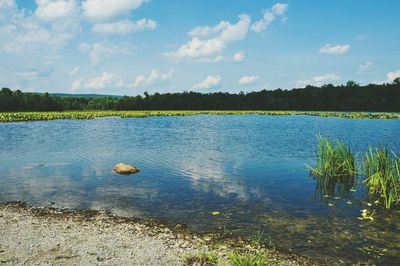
<point x="346" y="97"/>
<point x="35" y="116"/>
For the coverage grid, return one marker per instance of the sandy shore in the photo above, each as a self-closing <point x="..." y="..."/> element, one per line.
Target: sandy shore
<point x="45" y="236"/>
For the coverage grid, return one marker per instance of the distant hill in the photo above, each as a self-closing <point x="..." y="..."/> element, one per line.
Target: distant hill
<point x="85" y="95"/>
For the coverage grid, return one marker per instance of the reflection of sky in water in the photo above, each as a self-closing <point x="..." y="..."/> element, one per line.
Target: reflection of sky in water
<point x="250" y="168"/>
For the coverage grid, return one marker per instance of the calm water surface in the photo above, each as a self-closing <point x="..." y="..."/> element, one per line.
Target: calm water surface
<point x="250" y="168"/>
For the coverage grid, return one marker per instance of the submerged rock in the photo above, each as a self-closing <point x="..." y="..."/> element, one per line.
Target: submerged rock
<point x="125" y="169"/>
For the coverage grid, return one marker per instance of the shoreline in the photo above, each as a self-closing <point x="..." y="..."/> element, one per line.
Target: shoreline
<point x="45" y="235"/>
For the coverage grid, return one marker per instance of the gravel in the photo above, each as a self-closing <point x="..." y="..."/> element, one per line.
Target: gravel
<point x="48" y="236"/>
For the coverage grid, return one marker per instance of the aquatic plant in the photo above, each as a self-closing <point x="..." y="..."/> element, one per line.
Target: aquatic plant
<point x="335" y="170"/>
<point x="366" y="215"/>
<point x="34" y="116"/>
<point x="381" y="169"/>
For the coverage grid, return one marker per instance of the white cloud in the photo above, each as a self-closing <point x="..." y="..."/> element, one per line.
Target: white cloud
<point x="200" y="31"/>
<point x="247" y="80"/>
<point x="106" y="9"/>
<point x="41" y="71"/>
<point x="51" y="10"/>
<point x="76" y="84"/>
<point x="74" y="71"/>
<point x="205" y="48"/>
<point x="216" y="59"/>
<point x="124" y="26"/>
<point x="318" y="80"/>
<point x="278" y="10"/>
<point x="393" y="75"/>
<point x="155" y="77"/>
<point x="364" y="67"/>
<point x="208" y="42"/>
<point x="22" y="31"/>
<point x="105" y="80"/>
<point x="209" y="82"/>
<point x="100" y="51"/>
<point x="7" y="3"/>
<point x="239" y="56"/>
<point x="332" y="50"/>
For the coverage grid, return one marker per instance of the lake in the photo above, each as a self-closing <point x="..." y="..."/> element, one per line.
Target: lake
<point x="252" y="169"/>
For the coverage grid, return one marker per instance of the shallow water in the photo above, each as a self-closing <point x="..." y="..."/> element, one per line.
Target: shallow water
<point x="250" y="168"/>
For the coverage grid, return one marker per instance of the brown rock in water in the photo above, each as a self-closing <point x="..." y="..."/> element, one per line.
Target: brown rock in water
<point x="125" y="169"/>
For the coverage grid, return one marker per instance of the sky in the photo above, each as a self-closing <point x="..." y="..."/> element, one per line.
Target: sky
<point x="127" y="47"/>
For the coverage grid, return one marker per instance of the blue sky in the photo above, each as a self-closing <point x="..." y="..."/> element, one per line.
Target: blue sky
<point x="132" y="46"/>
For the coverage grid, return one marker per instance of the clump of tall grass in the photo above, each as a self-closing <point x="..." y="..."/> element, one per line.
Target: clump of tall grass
<point x="249" y="259"/>
<point x="334" y="160"/>
<point x="381" y="169"/>
<point x="336" y="168"/>
<point x="202" y="259"/>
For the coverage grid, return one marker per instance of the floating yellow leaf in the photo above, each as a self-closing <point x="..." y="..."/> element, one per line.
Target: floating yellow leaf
<point x="365" y="215"/>
<point x="215" y="213"/>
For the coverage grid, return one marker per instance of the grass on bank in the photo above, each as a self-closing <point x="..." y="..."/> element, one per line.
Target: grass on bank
<point x="202" y="259"/>
<point x="34" y="116"/>
<point x="247" y="258"/>
<point x="258" y="251"/>
<point x="382" y="171"/>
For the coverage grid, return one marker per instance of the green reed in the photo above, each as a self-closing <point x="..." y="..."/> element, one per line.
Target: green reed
<point x="381" y="169"/>
<point x="336" y="169"/>
<point x="334" y="160"/>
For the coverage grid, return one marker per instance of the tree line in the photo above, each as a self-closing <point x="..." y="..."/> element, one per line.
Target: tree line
<point x="347" y="97"/>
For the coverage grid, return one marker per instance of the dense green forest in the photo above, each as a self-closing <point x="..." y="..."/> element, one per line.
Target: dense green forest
<point x="348" y="97"/>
